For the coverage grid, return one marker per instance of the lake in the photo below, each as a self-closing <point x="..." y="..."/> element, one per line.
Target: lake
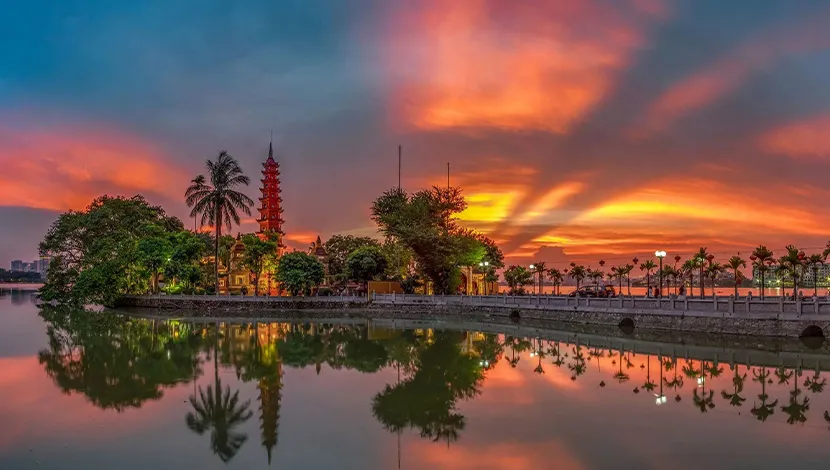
<point x="99" y="391"/>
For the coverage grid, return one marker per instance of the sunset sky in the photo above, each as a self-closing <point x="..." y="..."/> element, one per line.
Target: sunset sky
<point x="578" y="129"/>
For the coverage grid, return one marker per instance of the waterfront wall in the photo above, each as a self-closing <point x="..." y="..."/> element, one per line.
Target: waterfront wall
<point x="723" y="316"/>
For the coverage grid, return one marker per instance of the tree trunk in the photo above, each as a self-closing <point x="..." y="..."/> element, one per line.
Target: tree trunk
<point x="736" y="283"/>
<point x="256" y="284"/>
<point x="702" y="281"/>
<point x="762" y="285"/>
<point x="216" y="249"/>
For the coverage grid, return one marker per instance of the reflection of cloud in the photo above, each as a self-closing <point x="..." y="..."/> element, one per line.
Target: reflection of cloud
<point x="67" y="166"/>
<point x="540" y="65"/>
<point x="500" y="456"/>
<point x="807" y="138"/>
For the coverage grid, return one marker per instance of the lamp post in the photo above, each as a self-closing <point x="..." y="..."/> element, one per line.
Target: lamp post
<point x="484" y="267"/>
<point x="533" y="273"/>
<point x="660" y="254"/>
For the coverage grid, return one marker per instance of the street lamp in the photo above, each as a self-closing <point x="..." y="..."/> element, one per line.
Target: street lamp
<point x="660" y="254"/>
<point x="532" y="268"/>
<point x="483" y="265"/>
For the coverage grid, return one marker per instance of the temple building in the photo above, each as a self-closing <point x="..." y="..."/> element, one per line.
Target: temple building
<point x="235" y="278"/>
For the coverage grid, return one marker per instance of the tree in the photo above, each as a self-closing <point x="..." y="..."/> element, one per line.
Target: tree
<point x="218" y="202"/>
<point x="185" y="262"/>
<point x="556" y="278"/>
<point x="791" y="265"/>
<point x="814" y="262"/>
<point x="339" y="247"/>
<point x="153" y="253"/>
<point x="577" y="273"/>
<point x="735" y="263"/>
<point x="365" y="264"/>
<point x="517" y="277"/>
<point x="94" y="252"/>
<point x="764" y="410"/>
<point x="688" y="268"/>
<point x="761" y="258"/>
<point x="256" y="254"/>
<point x="300" y="272"/>
<point x="540" y="267"/>
<point x="700" y="260"/>
<point x="648" y="267"/>
<point x="628" y="269"/>
<point x="425" y="223"/>
<point x="399" y="259"/>
<point x="596" y="275"/>
<point x="713" y="270"/>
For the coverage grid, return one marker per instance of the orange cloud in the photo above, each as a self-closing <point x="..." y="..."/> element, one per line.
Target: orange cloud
<point x="728" y="72"/>
<point x="71" y="165"/>
<point x="528" y="66"/>
<point x="808" y="138"/>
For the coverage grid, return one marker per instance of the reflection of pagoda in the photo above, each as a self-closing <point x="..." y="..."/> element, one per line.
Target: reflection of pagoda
<point x="270" y="394"/>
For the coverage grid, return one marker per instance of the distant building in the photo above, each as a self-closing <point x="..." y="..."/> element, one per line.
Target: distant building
<point x="19" y="265"/>
<point x="806" y="279"/>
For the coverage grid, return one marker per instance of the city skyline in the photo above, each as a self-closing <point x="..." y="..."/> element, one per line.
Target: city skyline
<point x="579" y="130"/>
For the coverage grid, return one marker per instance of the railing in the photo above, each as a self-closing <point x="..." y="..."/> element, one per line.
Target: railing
<point x="261" y="298"/>
<point x="676" y="305"/>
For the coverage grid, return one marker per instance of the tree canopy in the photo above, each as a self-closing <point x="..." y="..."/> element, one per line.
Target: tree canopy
<point x="94" y="252"/>
<point x="365" y="264"/>
<point x="300" y="272"/>
<point x="338" y="248"/>
<point x="426" y="223"/>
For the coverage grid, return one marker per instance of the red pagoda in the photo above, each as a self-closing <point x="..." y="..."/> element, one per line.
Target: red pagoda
<point x="270" y="210"/>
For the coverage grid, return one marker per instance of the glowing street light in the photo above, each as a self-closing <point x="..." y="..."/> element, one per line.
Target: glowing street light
<point x="660" y="254"/>
<point x="532" y="268"/>
<point x="483" y="265"/>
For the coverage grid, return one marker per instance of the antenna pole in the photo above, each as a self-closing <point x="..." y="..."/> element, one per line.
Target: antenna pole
<point x="448" y="175"/>
<point x="399" y="167"/>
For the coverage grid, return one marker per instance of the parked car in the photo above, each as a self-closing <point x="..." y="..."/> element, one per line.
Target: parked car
<point x="594" y="291"/>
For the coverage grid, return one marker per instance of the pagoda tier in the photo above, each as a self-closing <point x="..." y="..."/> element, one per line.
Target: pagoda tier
<point x="270" y="213"/>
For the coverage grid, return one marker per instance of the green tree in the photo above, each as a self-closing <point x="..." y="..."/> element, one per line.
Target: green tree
<point x="761" y="259"/>
<point x="540" y="268"/>
<point x="154" y="253"/>
<point x="814" y="262"/>
<point x="185" y="262"/>
<point x="365" y="264"/>
<point x="338" y="248"/>
<point x="517" y="277"/>
<point x="556" y="278"/>
<point x="300" y="272"/>
<point x="399" y="259"/>
<point x="735" y="264"/>
<point x="713" y="270"/>
<point x="700" y="260"/>
<point x="217" y="201"/>
<point x="94" y="252"/>
<point x="425" y="222"/>
<point x="256" y="254"/>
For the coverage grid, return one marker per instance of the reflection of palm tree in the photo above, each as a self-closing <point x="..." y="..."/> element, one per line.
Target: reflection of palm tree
<point x="578" y="366"/>
<point x="704" y="402"/>
<point x="735" y="398"/>
<point x="620" y="375"/>
<point x="816" y="383"/>
<point x="783" y="375"/>
<point x="677" y="382"/>
<point x="219" y="412"/>
<point x="795" y="409"/>
<point x="517" y="345"/>
<point x="649" y="385"/>
<point x="764" y="410"/>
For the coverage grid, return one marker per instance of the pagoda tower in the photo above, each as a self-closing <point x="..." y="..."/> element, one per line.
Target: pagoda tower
<point x="270" y="210"/>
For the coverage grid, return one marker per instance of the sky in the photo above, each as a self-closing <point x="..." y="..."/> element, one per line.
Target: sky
<point x="578" y="129"/>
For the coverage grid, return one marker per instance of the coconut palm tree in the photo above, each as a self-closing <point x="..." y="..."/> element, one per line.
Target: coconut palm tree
<point x="688" y="268"/>
<point x="764" y="410"/>
<point x="713" y="270"/>
<point x="735" y="263"/>
<point x="701" y="259"/>
<point x="540" y="268"/>
<point x="791" y="265"/>
<point x="648" y="267"/>
<point x="619" y="272"/>
<point x="628" y="269"/>
<point x="197" y="182"/>
<point x="596" y="275"/>
<point x="577" y="273"/>
<point x="218" y="202"/>
<point x="814" y="262"/>
<point x="761" y="259"/>
<point x="670" y="273"/>
<point x="556" y="278"/>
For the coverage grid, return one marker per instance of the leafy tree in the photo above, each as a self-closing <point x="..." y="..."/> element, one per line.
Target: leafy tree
<point x="185" y="262"/>
<point x="577" y="273"/>
<point x="300" y="272"/>
<point x="365" y="264"/>
<point x="217" y="202"/>
<point x="399" y="259"/>
<point x="425" y="222"/>
<point x="256" y="253"/>
<point x="517" y="277"/>
<point x="19" y="276"/>
<point x="338" y="248"/>
<point x="154" y="253"/>
<point x="93" y="252"/>
<point x="556" y="278"/>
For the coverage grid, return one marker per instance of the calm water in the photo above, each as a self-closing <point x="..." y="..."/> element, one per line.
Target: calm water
<point x="90" y="391"/>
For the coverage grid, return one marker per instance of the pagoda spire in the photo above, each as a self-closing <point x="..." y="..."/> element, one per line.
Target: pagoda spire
<point x="271" y="146"/>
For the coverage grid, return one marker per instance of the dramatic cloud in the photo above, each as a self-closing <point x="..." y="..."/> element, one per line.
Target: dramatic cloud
<point x="809" y="138"/>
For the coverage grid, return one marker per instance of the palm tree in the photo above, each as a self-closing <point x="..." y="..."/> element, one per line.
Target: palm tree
<point x="218" y="201"/>
<point x="628" y="269"/>
<point x="764" y="410"/>
<point x="541" y="269"/>
<point x="761" y="258"/>
<point x="577" y="273"/>
<point x="669" y="272"/>
<point x="219" y="412"/>
<point x="688" y="268"/>
<point x="713" y="270"/>
<point x="814" y="262"/>
<point x="700" y="260"/>
<point x="791" y="265"/>
<point x="197" y="182"/>
<point x="648" y="267"/>
<point x="735" y="264"/>
<point x="618" y="272"/>
<point x="556" y="278"/>
<point x="596" y="275"/>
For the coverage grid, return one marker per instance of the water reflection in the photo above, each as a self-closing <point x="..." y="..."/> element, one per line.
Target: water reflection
<point x="118" y="363"/>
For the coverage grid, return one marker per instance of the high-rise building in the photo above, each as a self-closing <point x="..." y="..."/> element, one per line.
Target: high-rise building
<point x="18" y="265"/>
